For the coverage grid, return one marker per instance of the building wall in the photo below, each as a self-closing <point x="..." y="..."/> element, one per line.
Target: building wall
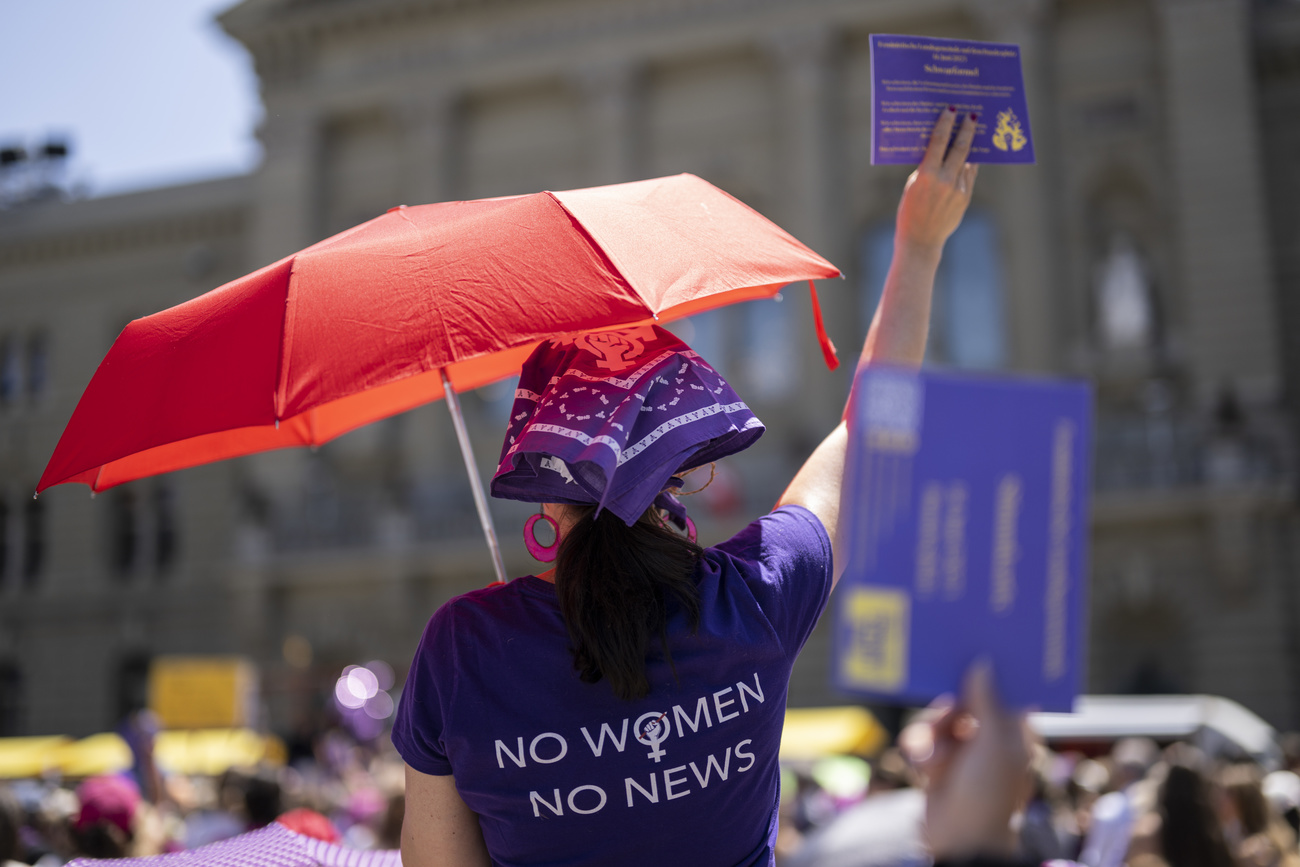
<point x="348" y="549"/>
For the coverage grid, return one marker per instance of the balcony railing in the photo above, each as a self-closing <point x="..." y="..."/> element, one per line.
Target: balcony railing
<point x="1156" y="452"/>
<point x="1131" y="453"/>
<point x="337" y="516"/>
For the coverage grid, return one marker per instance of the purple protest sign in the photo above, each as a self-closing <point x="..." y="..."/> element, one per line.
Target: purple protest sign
<point x="913" y="78"/>
<point x="967" y="517"/>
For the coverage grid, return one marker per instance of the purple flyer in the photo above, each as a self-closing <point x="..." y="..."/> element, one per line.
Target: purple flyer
<point x="913" y="78"/>
<point x="968" y="515"/>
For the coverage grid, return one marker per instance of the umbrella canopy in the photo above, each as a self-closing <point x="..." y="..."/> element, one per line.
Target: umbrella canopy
<point x="374" y="320"/>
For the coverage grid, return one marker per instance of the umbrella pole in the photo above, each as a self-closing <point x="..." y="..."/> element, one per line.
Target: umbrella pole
<point x="476" y="485"/>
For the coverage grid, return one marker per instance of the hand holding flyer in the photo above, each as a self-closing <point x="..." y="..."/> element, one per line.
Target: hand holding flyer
<point x="969" y="536"/>
<point x="913" y="78"/>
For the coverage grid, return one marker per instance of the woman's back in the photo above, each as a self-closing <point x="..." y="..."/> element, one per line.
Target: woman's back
<point x="562" y="772"/>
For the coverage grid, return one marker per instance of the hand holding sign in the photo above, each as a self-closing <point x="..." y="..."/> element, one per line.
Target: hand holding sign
<point x="914" y="78"/>
<point x="975" y="756"/>
<point x="938" y="192"/>
<point x="968" y="513"/>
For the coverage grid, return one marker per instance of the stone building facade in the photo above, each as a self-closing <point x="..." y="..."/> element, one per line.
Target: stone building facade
<point x="1154" y="249"/>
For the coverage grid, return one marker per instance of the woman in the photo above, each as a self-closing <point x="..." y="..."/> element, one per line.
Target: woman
<point x="627" y="706"/>
<point x="1183" y="830"/>
<point x="1258" y="837"/>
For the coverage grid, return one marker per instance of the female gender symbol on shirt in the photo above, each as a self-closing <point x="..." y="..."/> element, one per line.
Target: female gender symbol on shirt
<point x="652" y="729"/>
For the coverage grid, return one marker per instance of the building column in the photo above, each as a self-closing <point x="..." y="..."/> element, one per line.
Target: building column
<point x="428" y="125"/>
<point x="287" y="195"/>
<point x="807" y="164"/>
<point x="1224" y="274"/>
<point x="809" y="190"/>
<point x="1021" y="193"/>
<point x="608" y="91"/>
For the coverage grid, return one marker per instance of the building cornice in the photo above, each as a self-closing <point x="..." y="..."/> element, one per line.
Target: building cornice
<point x="117" y="239"/>
<point x="286" y="36"/>
<point x="97" y="227"/>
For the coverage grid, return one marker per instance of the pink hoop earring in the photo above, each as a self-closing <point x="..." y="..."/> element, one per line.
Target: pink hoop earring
<point x="690" y="530"/>
<point x="539" y="551"/>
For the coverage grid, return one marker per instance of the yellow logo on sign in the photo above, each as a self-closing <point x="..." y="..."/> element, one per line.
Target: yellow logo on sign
<point x="1007" y="134"/>
<point x="876" y="654"/>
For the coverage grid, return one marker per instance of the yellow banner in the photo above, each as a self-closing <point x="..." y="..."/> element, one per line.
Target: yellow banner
<point x="203" y="692"/>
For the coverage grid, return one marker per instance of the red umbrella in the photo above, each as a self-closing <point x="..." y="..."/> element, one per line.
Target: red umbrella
<point x="406" y="308"/>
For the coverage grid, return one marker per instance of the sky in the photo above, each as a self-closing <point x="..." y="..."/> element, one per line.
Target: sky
<point x="148" y="93"/>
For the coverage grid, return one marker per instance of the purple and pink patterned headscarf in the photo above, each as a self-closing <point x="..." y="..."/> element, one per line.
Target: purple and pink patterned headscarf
<point x="613" y="418"/>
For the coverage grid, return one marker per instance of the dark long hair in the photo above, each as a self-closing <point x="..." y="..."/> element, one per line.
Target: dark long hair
<point x="1190" y="833"/>
<point x="617" y="586"/>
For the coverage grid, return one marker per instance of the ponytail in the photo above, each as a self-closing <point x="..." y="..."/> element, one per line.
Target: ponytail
<point x="616" y="585"/>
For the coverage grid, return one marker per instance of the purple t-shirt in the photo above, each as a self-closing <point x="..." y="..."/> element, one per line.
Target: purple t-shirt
<point x="562" y="772"/>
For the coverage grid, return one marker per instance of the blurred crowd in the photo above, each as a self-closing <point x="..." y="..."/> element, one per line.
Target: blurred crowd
<point x="337" y="788"/>
<point x="1140" y="806"/>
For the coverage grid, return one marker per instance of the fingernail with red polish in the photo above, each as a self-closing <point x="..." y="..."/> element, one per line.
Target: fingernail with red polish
<point x="952" y="108"/>
<point x="974" y="116"/>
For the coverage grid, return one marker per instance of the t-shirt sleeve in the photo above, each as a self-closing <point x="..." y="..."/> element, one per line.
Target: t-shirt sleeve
<point x="420" y="718"/>
<point x="785" y="559"/>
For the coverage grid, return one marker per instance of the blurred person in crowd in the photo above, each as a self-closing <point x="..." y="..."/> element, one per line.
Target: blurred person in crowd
<point x="1257" y="836"/>
<point x="390" y="829"/>
<point x="309" y="823"/>
<point x="217" y="811"/>
<point x="105" y="824"/>
<point x="1041" y="820"/>
<point x="140" y="729"/>
<point x="634" y="611"/>
<point x="882" y="830"/>
<point x="51" y="824"/>
<point x="263" y="800"/>
<point x="1290" y="744"/>
<point x="1089" y="780"/>
<point x="1111" y="821"/>
<point x="11" y="823"/>
<point x="813" y="805"/>
<point x="890" y="772"/>
<point x="364" y="810"/>
<point x="1282" y="789"/>
<point x="1184" y="829"/>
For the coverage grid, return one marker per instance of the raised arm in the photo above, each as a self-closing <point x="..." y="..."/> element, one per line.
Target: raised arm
<point x="933" y="203"/>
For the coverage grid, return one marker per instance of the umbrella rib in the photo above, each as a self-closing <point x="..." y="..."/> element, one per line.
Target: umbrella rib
<point x="616" y="266"/>
<point x="281" y="395"/>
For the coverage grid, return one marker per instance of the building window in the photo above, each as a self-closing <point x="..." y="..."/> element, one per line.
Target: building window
<point x="11" y="699"/>
<point x="4" y="542"/>
<point x="165" y="542"/>
<point x="132" y="684"/>
<point x="33" y="540"/>
<point x="142" y="530"/>
<point x="1126" y="311"/>
<point x="770" y="359"/>
<point x="11" y="375"/>
<point x="968" y="312"/>
<point x="37" y="365"/>
<point x="706" y="333"/>
<point x="123" y="532"/>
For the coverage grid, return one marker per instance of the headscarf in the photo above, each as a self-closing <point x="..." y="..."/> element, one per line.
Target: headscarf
<point x="613" y="419"/>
